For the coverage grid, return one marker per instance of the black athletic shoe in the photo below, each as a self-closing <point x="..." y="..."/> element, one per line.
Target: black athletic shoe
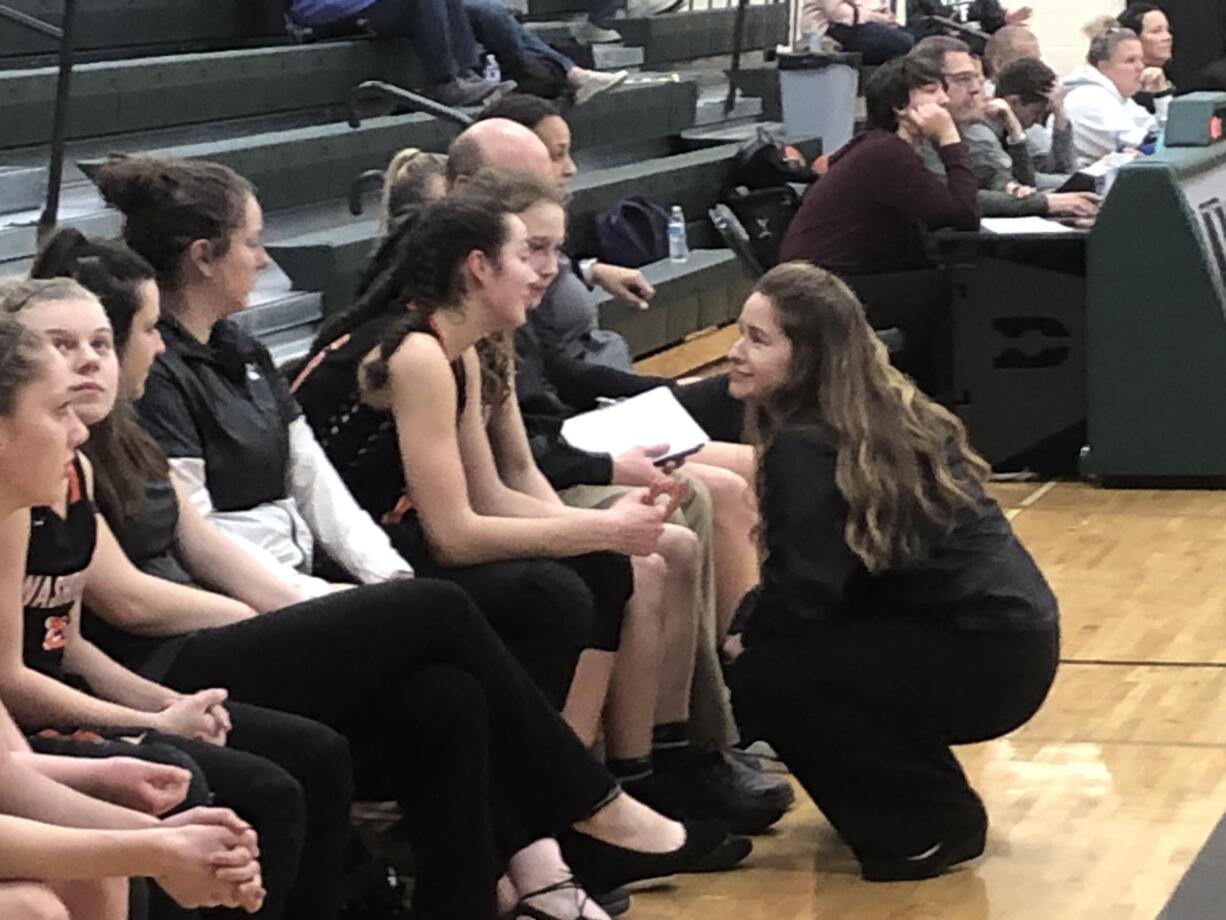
<point x="716" y="785"/>
<point x="930" y="863"/>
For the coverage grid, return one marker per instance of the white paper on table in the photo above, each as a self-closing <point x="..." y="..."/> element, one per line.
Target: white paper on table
<point x="1014" y="226"/>
<point x="651" y="418"/>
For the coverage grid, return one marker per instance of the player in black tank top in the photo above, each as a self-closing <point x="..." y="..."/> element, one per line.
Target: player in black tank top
<point x="59" y="553"/>
<point x="270" y="753"/>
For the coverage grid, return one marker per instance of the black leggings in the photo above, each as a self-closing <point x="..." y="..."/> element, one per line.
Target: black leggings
<point x="863" y="711"/>
<point x="438" y="713"/>
<point x="286" y="775"/>
<point x="547" y="611"/>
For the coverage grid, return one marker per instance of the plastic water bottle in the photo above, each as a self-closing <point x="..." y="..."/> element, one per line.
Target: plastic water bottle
<point x="678" y="245"/>
<point x="492" y="73"/>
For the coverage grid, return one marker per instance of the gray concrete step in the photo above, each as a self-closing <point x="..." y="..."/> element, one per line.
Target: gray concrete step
<point x="103" y="24"/>
<point x="328" y="257"/>
<point x="142" y="94"/>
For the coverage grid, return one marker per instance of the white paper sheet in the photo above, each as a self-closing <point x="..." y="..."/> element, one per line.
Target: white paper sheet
<point x="1021" y="225"/>
<point x="651" y="418"/>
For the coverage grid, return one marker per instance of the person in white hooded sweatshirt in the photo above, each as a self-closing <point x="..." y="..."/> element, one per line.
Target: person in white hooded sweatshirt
<point x="1098" y="97"/>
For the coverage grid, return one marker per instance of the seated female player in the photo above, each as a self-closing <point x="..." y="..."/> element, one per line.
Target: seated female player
<point x="897" y="613"/>
<point x="288" y="776"/>
<point x="409" y="659"/>
<point x="67" y="853"/>
<point x="241" y="452"/>
<point x="715" y="782"/>
<point x="438" y="452"/>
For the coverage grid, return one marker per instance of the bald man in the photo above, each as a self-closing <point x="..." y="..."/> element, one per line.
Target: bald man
<point x="496" y="142"/>
<point x="1012" y="43"/>
<point x="509" y="145"/>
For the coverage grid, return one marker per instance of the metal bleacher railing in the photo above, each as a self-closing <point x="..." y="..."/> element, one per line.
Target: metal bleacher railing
<point x="65" y="34"/>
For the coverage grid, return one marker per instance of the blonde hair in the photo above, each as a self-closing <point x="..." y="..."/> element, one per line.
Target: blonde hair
<point x="18" y="293"/>
<point x="896" y="448"/>
<point x="405" y="180"/>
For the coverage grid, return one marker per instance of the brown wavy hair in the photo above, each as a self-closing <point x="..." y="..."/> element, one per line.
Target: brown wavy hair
<point x="896" y="448"/>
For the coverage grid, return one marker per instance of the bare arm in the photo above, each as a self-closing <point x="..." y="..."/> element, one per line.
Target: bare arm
<point x="27" y="793"/>
<point x="129" y="599"/>
<point x="215" y="559"/>
<point x="36" y="700"/>
<point x="34" y="850"/>
<point x="513" y="456"/>
<point x="441" y="479"/>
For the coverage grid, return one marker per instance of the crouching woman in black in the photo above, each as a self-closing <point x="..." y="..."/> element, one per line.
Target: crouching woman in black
<point x="897" y="613"/>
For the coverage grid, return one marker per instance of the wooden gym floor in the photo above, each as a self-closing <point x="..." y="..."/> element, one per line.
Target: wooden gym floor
<point x="1100" y="804"/>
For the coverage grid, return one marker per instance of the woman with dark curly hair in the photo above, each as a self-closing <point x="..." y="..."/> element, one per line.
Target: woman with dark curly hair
<point x="417" y="409"/>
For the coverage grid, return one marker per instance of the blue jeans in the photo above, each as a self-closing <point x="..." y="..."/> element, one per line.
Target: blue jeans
<point x="439" y="30"/>
<point x="876" y="42"/>
<point x="601" y="12"/>
<point x="502" y="36"/>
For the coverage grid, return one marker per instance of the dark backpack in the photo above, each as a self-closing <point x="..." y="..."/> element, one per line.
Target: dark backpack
<point x="764" y="214"/>
<point x="766" y="162"/>
<point x="632" y="233"/>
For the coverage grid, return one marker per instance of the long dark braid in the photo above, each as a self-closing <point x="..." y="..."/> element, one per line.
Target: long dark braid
<point x="382" y="288"/>
<point x="429" y="262"/>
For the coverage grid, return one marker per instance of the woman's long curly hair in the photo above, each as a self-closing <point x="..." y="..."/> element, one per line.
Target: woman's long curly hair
<point x="896" y="448"/>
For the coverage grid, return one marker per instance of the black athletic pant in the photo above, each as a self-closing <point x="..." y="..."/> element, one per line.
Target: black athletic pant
<point x="721" y="416"/>
<point x="439" y="715"/>
<point x="267" y="794"/>
<point x="547" y="611"/>
<point x="863" y="712"/>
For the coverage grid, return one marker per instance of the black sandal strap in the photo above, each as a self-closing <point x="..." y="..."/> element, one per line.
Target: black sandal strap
<point x="524" y="909"/>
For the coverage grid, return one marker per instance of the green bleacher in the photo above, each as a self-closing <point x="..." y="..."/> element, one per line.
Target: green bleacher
<point x="220" y="79"/>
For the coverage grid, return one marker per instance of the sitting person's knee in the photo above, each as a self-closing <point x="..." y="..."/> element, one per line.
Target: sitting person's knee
<point x="31" y="901"/>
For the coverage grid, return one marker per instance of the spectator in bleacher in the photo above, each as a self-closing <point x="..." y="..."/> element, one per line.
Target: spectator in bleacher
<point x="1099" y="96"/>
<point x="599" y="26"/>
<point x="897" y="613"/>
<point x="410" y="658"/>
<point x="1012" y="43"/>
<point x="868" y="213"/>
<point x="440" y="31"/>
<point x="996" y="142"/>
<point x="865" y="27"/>
<point x="526" y="58"/>
<point x="1033" y="92"/>
<point x="1157" y="46"/>
<point x="456" y="483"/>
<point x="986" y="16"/>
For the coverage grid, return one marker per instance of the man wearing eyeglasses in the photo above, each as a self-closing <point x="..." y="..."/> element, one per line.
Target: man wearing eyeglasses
<point x="1003" y="192"/>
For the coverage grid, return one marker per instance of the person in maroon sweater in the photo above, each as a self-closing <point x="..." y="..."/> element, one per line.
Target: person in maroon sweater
<point x="867" y="215"/>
